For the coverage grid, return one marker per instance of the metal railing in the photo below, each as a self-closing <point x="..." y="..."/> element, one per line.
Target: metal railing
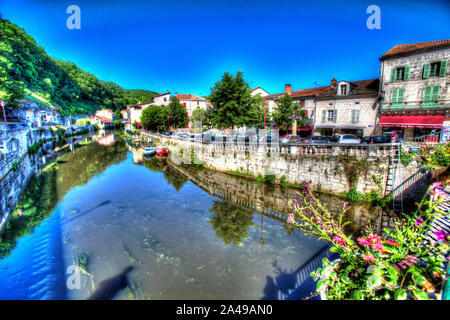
<point x="429" y="138"/>
<point x="415" y="105"/>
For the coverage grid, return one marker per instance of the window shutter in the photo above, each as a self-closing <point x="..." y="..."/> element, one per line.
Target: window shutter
<point x="357" y="116"/>
<point x="400" y="95"/>
<point x="335" y="116"/>
<point x="427" y="94"/>
<point x="407" y="73"/>
<point x="426" y="71"/>
<point x="443" y="70"/>
<point x="435" y="94"/>
<point x="324" y="115"/>
<point x="394" y="96"/>
<point x="353" y="116"/>
<point x="393" y="74"/>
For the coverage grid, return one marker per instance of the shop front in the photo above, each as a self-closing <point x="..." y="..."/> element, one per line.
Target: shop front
<point x="329" y="130"/>
<point x="411" y="126"/>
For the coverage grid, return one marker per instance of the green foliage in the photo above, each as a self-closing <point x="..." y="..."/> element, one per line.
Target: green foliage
<point x="269" y="178"/>
<point x="233" y="104"/>
<point x="154" y="118"/>
<point x="397" y="266"/>
<point x="353" y="195"/>
<point x="285" y="109"/>
<point x="405" y="157"/>
<point x="200" y="115"/>
<point x="178" y="113"/>
<point x="231" y="222"/>
<point x="27" y="71"/>
<point x="36" y="203"/>
<point x="283" y="182"/>
<point x="435" y="156"/>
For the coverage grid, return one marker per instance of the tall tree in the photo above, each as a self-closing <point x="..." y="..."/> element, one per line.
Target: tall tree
<point x="154" y="118"/>
<point x="201" y="115"/>
<point x="255" y="114"/>
<point x="286" y="109"/>
<point x="231" y="99"/>
<point x="178" y="113"/>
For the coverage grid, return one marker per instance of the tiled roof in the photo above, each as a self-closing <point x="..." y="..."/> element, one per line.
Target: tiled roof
<point x="189" y="97"/>
<point x="300" y="93"/>
<point x="405" y="49"/>
<point x="362" y="87"/>
<point x="104" y="119"/>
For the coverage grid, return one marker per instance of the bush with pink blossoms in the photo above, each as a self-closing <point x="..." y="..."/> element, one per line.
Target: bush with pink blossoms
<point x="398" y="266"/>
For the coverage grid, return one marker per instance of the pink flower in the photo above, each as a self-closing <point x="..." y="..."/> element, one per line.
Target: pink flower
<point x="392" y="243"/>
<point x="363" y="241"/>
<point x="441" y="235"/>
<point x="339" y="240"/>
<point x="379" y="247"/>
<point x="288" y="220"/>
<point x="368" y="257"/>
<point x="374" y="238"/>
<point x="418" y="222"/>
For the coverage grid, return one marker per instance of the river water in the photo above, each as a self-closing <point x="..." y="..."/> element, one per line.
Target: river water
<point x="188" y="234"/>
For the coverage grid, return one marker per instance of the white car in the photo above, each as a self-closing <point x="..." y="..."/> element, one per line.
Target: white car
<point x="345" y="138"/>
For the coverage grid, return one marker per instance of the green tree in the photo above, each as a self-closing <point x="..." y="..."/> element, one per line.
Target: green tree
<point x="178" y="113"/>
<point x="231" y="99"/>
<point x="231" y="222"/>
<point x="286" y="108"/>
<point x="118" y="114"/>
<point x="200" y="114"/>
<point x="154" y="118"/>
<point x="255" y="114"/>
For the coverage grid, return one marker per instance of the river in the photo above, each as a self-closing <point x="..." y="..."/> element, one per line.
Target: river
<point x="171" y="232"/>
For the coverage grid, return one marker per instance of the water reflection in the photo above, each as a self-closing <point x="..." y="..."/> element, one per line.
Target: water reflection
<point x="230" y="222"/>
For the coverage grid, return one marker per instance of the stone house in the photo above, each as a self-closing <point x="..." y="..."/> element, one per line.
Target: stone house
<point x="347" y="107"/>
<point x="134" y="112"/>
<point x="104" y="118"/>
<point x="415" y="87"/>
<point x="192" y="102"/>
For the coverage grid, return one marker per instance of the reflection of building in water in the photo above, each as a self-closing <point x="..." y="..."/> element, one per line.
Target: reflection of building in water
<point x="269" y="200"/>
<point x="105" y="139"/>
<point x="138" y="154"/>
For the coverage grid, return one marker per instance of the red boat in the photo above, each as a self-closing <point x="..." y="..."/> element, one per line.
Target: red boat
<point x="162" y="151"/>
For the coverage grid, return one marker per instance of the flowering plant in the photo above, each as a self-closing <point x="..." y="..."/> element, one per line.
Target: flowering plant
<point x="398" y="266"/>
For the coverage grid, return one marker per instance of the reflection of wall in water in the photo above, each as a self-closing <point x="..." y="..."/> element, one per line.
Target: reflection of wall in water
<point x="270" y="200"/>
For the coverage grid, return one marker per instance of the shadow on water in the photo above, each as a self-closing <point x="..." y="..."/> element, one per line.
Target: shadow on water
<point x="87" y="211"/>
<point x="109" y="288"/>
<point x="297" y="284"/>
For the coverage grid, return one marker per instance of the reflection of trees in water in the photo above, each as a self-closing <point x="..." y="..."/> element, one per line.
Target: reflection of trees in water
<point x="231" y="222"/>
<point x="173" y="176"/>
<point x="79" y="167"/>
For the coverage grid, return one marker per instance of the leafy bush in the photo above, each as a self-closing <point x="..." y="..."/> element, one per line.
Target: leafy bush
<point x="370" y="267"/>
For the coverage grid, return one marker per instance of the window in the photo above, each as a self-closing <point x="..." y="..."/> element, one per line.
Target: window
<point x="400" y="73"/>
<point x="355" y="115"/>
<point x="435" y="69"/>
<point x="331" y="115"/>
<point x="343" y="89"/>
<point x="397" y="98"/>
<point x="430" y="96"/>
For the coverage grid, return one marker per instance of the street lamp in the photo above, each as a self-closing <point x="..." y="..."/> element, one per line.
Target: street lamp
<point x="265" y="106"/>
<point x="168" y="119"/>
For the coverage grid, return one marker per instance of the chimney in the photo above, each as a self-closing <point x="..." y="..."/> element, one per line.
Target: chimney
<point x="334" y="83"/>
<point x="288" y="88"/>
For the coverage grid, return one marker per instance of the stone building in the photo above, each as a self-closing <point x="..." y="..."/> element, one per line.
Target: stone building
<point x="192" y="102"/>
<point x="415" y="87"/>
<point x="347" y="107"/>
<point x="134" y="112"/>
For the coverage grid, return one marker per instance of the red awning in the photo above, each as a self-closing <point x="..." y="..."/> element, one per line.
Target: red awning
<point x="434" y="121"/>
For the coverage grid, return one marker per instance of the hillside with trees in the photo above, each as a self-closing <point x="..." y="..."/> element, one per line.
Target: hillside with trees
<point x="28" y="72"/>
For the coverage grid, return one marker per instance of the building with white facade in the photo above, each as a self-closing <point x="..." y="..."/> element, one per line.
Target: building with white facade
<point x="134" y="112"/>
<point x="192" y="102"/>
<point x="415" y="87"/>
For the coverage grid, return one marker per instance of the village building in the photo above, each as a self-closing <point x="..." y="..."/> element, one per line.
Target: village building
<point x="192" y="102"/>
<point x="347" y="107"/>
<point x="104" y="118"/>
<point x="415" y="87"/>
<point x="134" y="112"/>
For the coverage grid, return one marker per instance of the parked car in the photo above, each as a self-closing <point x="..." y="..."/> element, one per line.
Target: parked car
<point x="376" y="139"/>
<point x="316" y="139"/>
<point x="290" y="139"/>
<point x="345" y="138"/>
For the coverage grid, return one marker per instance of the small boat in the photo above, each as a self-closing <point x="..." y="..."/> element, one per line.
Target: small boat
<point x="149" y="151"/>
<point x="161" y="150"/>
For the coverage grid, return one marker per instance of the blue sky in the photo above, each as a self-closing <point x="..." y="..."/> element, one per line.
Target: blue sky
<point x="185" y="46"/>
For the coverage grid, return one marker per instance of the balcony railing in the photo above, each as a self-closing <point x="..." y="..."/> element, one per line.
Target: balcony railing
<point x="416" y="105"/>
